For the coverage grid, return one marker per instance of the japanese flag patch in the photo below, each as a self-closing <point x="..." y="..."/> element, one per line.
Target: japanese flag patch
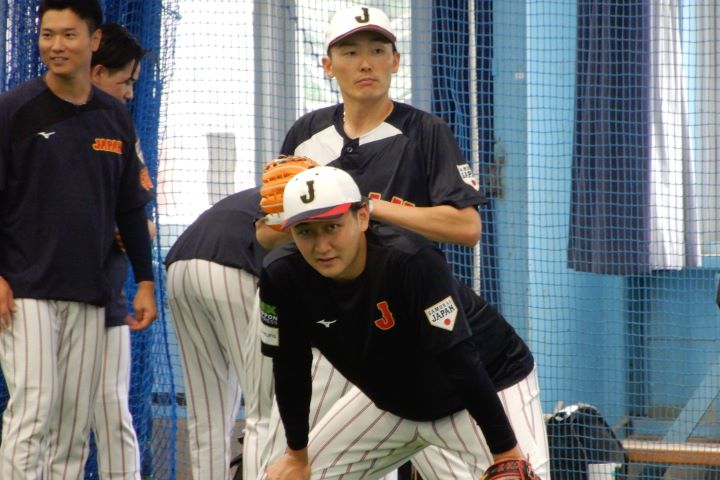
<point x="442" y="314"/>
<point x="466" y="174"/>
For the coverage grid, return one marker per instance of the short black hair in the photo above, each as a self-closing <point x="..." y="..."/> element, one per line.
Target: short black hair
<point x="88" y="10"/>
<point x="118" y="47"/>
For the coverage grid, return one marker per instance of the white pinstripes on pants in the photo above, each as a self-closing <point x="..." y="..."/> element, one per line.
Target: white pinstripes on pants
<point x="357" y="440"/>
<point x="118" y="451"/>
<point x="51" y="358"/>
<point x="328" y="386"/>
<point x="212" y="308"/>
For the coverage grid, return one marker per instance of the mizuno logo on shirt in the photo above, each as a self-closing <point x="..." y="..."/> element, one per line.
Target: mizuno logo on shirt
<point x="46" y="135"/>
<point x="326" y="323"/>
<point x="107" y="145"/>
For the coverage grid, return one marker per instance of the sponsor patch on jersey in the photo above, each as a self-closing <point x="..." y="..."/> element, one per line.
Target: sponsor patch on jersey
<point x="268" y="314"/>
<point x="442" y="314"/>
<point x="269" y="334"/>
<point x="108" y="145"/>
<point x="466" y="174"/>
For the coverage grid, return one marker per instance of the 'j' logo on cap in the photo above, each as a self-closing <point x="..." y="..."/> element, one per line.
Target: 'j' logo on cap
<point x="365" y="16"/>
<point x="310" y="196"/>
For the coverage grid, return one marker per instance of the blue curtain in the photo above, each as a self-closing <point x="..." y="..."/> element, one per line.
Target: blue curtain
<point x="609" y="225"/>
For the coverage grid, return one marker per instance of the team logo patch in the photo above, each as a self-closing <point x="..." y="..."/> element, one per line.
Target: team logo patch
<point x="442" y="314"/>
<point x="387" y="320"/>
<point x="145" y="179"/>
<point x="466" y="174"/>
<point x="108" y="145"/>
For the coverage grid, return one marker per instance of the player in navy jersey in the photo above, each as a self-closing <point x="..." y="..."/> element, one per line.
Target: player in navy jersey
<point x="432" y="363"/>
<point x="115" y="67"/>
<point x="400" y="157"/>
<point x="69" y="172"/>
<point x="213" y="270"/>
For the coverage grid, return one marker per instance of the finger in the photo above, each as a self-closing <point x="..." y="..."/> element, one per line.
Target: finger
<point x="5" y="320"/>
<point x="136" y="323"/>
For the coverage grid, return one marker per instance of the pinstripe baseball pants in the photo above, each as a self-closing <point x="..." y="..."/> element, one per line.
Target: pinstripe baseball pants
<point x="118" y="451"/>
<point x="51" y="357"/>
<point x="212" y="306"/>
<point x="354" y="439"/>
<point x="328" y="386"/>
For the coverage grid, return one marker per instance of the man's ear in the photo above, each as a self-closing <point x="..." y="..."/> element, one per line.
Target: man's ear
<point x="97" y="72"/>
<point x="95" y="39"/>
<point x="327" y="66"/>
<point x="363" y="216"/>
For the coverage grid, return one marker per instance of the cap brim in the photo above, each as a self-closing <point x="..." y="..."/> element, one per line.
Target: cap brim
<point x="363" y="28"/>
<point x="317" y="215"/>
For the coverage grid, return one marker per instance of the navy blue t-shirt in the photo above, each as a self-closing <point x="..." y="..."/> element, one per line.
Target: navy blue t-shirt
<point x="411" y="158"/>
<point x="387" y="332"/>
<point x="224" y="234"/>
<point x="67" y="172"/>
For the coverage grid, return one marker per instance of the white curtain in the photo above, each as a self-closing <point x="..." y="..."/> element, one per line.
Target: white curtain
<point x="674" y="223"/>
<point x="707" y="110"/>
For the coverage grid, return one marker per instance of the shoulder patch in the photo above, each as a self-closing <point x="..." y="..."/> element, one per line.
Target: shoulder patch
<point x="145" y="179"/>
<point x="269" y="328"/>
<point x="442" y="314"/>
<point x="466" y="174"/>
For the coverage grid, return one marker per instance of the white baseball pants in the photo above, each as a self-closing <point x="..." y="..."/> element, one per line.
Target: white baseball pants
<point x="51" y="359"/>
<point x="214" y="310"/>
<point x="118" y="451"/>
<point x="328" y="386"/>
<point x="358" y="440"/>
<point x="456" y="449"/>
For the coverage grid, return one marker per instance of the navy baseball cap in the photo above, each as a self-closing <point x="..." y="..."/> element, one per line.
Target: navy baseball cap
<point x="356" y="19"/>
<point x="318" y="194"/>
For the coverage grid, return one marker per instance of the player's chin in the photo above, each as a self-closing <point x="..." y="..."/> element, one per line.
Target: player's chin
<point x="327" y="268"/>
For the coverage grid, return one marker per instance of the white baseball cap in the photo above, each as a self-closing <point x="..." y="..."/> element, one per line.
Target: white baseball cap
<point x="355" y="19"/>
<point x="318" y="194"/>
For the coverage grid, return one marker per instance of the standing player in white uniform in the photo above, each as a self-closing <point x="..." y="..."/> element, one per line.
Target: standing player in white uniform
<point x="213" y="270"/>
<point x="400" y="156"/>
<point x="115" y="69"/>
<point x="69" y="173"/>
<point x="431" y="362"/>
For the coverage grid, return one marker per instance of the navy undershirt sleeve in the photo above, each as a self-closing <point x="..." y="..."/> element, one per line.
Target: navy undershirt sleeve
<point x="134" y="232"/>
<point x="463" y="366"/>
<point x="293" y="390"/>
<point x="292" y="355"/>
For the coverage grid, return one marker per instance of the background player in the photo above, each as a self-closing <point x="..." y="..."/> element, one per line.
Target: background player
<point x="213" y="270"/>
<point x="400" y="157"/>
<point x="427" y="355"/>
<point x="56" y="230"/>
<point x="115" y="68"/>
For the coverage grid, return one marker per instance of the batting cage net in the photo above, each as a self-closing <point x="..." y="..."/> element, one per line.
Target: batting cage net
<point x="592" y="126"/>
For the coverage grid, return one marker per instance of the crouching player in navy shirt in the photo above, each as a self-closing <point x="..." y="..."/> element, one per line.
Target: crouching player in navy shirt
<point x="431" y="362"/>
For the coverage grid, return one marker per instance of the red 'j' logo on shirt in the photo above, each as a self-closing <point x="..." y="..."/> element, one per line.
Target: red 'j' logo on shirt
<point x="387" y="321"/>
